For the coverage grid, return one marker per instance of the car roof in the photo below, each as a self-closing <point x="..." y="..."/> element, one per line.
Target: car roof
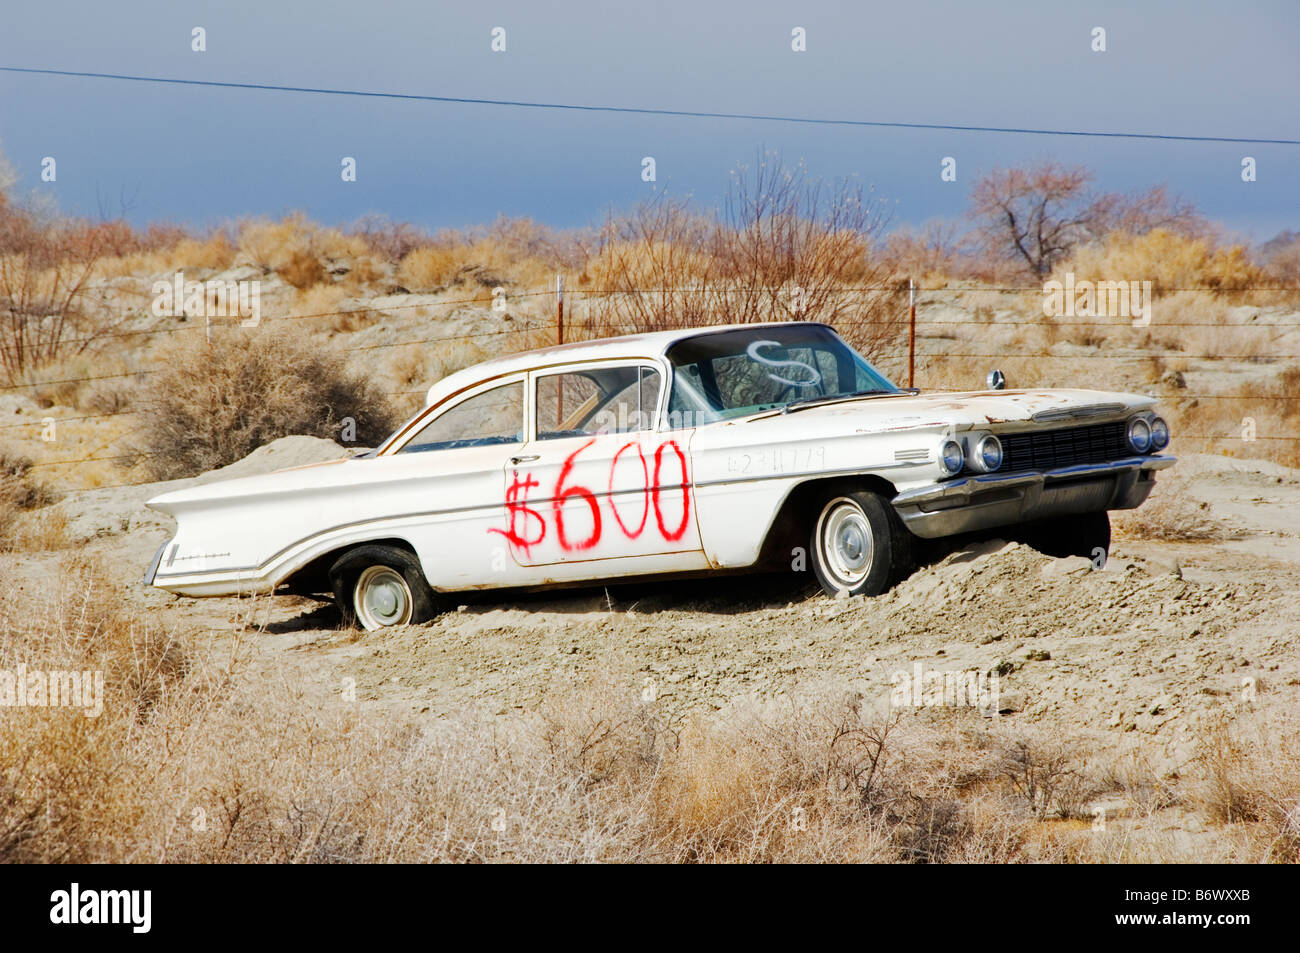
<point x="650" y="344"/>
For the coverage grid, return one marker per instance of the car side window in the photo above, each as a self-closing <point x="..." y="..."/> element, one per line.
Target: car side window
<point x="596" y="401"/>
<point x="495" y="416"/>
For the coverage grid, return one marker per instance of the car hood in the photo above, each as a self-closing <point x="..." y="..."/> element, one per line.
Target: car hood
<point x="1003" y="409"/>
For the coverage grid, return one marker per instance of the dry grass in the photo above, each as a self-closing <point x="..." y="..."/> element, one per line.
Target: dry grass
<point x="64" y="793"/>
<point x="1249" y="774"/>
<point x="205" y="757"/>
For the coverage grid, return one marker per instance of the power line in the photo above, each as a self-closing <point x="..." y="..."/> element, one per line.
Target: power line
<point x="649" y="111"/>
<point x="1040" y="356"/>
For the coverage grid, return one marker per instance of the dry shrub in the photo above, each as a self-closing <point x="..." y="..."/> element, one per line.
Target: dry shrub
<point x="932" y="256"/>
<point x="1281" y="255"/>
<point x="1170" y="513"/>
<point x="1170" y="261"/>
<point x="388" y="240"/>
<point x="46" y="264"/>
<point x="1044" y="772"/>
<point x="40" y="531"/>
<point x="430" y="268"/>
<point x="362" y="273"/>
<point x="210" y="403"/>
<point x="327" y="300"/>
<point x="1248" y="772"/>
<point x="297" y="249"/>
<point x="19" y="492"/>
<point x="107" y="396"/>
<point x="71" y="381"/>
<point x="302" y="270"/>
<point x="271" y="245"/>
<point x="214" y="253"/>
<point x="1146" y="788"/>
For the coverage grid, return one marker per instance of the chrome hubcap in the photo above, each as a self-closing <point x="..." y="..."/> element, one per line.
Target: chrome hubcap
<point x="846" y="543"/>
<point x="382" y="598"/>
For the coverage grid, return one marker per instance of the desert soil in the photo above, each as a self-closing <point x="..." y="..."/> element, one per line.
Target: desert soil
<point x="1142" y="651"/>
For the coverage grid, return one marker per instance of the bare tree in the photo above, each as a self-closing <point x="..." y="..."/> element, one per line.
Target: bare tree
<point x="1034" y="215"/>
<point x="1281" y="255"/>
<point x="655" y="268"/>
<point x="1143" y="212"/>
<point x="45" y="266"/>
<point x="785" y="246"/>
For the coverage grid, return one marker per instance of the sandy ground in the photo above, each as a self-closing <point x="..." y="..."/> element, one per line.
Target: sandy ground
<point x="1143" y="651"/>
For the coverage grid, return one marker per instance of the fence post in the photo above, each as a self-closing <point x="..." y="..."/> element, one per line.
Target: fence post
<point x="559" y="309"/>
<point x="911" y="333"/>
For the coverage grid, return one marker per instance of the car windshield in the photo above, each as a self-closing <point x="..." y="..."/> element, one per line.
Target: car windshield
<point x="746" y="371"/>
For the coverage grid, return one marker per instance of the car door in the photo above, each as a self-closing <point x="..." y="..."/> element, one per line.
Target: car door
<point x="448" y="474"/>
<point x="596" y="482"/>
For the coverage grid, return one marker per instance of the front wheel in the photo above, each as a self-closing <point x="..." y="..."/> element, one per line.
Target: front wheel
<point x="859" y="545"/>
<point x="381" y="586"/>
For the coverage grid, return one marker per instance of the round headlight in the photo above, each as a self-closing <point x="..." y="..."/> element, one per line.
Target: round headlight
<point x="989" y="453"/>
<point x="1139" y="435"/>
<point x="1159" y="433"/>
<point x="951" y="457"/>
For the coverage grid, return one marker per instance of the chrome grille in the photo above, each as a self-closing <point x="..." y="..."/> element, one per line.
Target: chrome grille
<point x="1065" y="447"/>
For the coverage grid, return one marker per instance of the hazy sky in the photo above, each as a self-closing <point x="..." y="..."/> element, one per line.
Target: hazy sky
<point x="205" y="155"/>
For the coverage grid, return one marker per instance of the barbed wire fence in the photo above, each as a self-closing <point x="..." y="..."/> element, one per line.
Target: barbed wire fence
<point x="582" y="311"/>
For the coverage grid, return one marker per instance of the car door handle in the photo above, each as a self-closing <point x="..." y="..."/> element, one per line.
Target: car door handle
<point x="526" y="458"/>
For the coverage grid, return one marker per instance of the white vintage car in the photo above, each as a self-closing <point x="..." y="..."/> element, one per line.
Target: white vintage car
<point x="667" y="453"/>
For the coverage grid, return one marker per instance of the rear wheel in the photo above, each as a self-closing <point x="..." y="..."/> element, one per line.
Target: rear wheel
<point x="859" y="545"/>
<point x="381" y="586"/>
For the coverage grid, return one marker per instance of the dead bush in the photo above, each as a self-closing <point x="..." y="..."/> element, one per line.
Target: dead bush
<point x="1171" y="261"/>
<point x="19" y="493"/>
<point x="430" y="268"/>
<point x="1043" y="773"/>
<point x="785" y="246"/>
<point x="1170" y="513"/>
<point x="302" y="270"/>
<point x="211" y="403"/>
<point x="46" y="264"/>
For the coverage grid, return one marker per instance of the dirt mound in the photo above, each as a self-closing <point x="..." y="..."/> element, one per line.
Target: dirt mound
<point x="277" y="455"/>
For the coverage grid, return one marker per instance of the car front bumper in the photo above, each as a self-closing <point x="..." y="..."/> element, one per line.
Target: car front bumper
<point x="973" y="503"/>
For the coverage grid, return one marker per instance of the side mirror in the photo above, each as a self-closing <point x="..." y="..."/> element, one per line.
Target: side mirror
<point x="997" y="380"/>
